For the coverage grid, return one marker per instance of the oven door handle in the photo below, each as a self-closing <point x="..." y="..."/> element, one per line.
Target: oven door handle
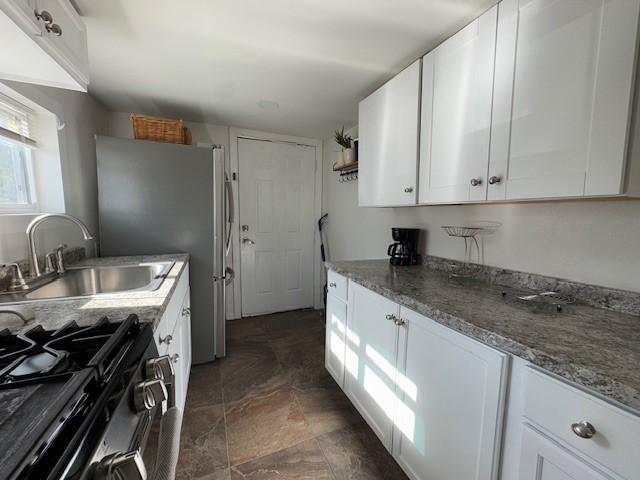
<point x="168" y="445"/>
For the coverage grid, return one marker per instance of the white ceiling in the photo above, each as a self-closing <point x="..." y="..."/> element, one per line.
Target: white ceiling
<point x="214" y="60"/>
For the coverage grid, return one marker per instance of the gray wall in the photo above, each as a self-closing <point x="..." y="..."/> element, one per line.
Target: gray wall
<point x="591" y="241"/>
<point x="83" y="117"/>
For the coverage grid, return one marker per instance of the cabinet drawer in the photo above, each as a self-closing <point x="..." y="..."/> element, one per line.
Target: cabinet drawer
<point x="337" y="285"/>
<point x="555" y="406"/>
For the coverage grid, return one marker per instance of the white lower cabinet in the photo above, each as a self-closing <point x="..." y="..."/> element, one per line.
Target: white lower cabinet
<point x="173" y="337"/>
<point x="433" y="396"/>
<point x="335" y="337"/>
<point x="438" y="401"/>
<point x="451" y="392"/>
<point x="544" y="459"/>
<point x="370" y="359"/>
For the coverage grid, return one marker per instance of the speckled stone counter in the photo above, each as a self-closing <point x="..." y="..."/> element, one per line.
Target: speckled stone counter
<point x="595" y="347"/>
<point x="149" y="306"/>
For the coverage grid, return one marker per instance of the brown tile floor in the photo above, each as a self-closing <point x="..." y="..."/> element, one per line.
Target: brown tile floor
<point x="270" y="410"/>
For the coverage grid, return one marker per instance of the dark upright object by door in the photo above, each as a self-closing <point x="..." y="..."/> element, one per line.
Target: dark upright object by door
<point x="405" y="249"/>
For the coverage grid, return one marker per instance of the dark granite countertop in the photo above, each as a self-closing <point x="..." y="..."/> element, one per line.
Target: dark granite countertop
<point x="594" y="347"/>
<point x="148" y="305"/>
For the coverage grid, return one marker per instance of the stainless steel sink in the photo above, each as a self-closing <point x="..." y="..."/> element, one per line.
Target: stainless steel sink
<point x="102" y="280"/>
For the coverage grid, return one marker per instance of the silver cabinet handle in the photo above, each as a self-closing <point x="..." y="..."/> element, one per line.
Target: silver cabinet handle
<point x="44" y="16"/>
<point x="408" y="190"/>
<point x="186" y="311"/>
<point x="494" y="179"/>
<point x="476" y="181"/>
<point x="248" y="241"/>
<point x="168" y="339"/>
<point x="399" y="322"/>
<point x="55" y="29"/>
<point x="391" y="317"/>
<point x="332" y="285"/>
<point x="583" y="429"/>
<point x="175" y="357"/>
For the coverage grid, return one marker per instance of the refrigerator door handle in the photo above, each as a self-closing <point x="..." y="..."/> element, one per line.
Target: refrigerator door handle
<point x="229" y="276"/>
<point x="230" y="211"/>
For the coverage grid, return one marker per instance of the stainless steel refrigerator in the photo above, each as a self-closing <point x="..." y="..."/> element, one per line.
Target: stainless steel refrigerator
<point x="159" y="198"/>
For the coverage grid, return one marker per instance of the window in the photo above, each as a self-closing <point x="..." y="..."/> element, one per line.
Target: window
<point x="17" y="192"/>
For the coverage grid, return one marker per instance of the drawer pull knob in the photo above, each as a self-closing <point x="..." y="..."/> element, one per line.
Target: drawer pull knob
<point x="391" y="317"/>
<point x="175" y="357"/>
<point x="168" y="339"/>
<point x="583" y="429"/>
<point x="332" y="285"/>
<point x="186" y="311"/>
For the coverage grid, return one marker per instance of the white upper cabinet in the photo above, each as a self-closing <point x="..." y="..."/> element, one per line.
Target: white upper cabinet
<point x="388" y="142"/>
<point x="457" y="86"/>
<point x="45" y="43"/>
<point x="563" y="86"/>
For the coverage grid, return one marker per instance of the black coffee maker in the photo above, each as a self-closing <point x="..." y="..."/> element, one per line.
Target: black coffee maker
<point x="405" y="249"/>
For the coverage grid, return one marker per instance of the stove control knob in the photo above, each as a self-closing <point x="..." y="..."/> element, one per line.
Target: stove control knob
<point x="121" y="465"/>
<point x="159" y="368"/>
<point x="149" y="394"/>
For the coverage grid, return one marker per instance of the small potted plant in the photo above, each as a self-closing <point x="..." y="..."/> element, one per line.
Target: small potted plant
<point x="346" y="155"/>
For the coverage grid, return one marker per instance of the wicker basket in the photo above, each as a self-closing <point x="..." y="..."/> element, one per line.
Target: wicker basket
<point x="160" y="130"/>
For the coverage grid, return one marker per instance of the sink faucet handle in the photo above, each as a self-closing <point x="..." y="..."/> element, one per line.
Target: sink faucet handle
<point x="59" y="251"/>
<point x="50" y="262"/>
<point x="18" y="282"/>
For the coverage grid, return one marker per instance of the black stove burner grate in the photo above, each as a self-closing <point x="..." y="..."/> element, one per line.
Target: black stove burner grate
<point x="36" y="354"/>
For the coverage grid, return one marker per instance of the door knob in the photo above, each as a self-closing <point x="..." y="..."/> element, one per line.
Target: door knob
<point x="476" y="181"/>
<point x="494" y="179"/>
<point x="248" y="241"/>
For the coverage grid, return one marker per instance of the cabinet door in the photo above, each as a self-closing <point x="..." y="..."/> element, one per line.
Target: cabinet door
<point x="370" y="359"/>
<point x="176" y="355"/>
<point x="451" y="392"/>
<point x="544" y="459"/>
<point x="336" y="328"/>
<point x="22" y="12"/>
<point x="457" y="86"/>
<point x="563" y="80"/>
<point x="69" y="48"/>
<point x="186" y="341"/>
<point x="388" y="142"/>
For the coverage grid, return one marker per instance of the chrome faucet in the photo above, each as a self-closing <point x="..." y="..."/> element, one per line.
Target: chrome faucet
<point x="31" y="242"/>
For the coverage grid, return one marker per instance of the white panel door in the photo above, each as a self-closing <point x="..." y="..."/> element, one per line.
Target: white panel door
<point x="451" y="392"/>
<point x="335" y="336"/>
<point x="564" y="72"/>
<point x="457" y="86"/>
<point x="388" y="142"/>
<point x="370" y="359"/>
<point x="544" y="459"/>
<point x="276" y="194"/>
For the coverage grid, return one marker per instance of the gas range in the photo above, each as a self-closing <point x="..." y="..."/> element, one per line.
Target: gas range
<point x="79" y="402"/>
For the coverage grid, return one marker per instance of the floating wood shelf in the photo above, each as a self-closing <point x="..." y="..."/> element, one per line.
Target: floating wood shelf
<point x="346" y="168"/>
